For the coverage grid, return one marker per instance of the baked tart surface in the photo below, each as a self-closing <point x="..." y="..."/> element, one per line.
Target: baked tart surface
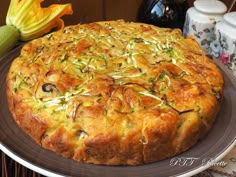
<point x="114" y="92"/>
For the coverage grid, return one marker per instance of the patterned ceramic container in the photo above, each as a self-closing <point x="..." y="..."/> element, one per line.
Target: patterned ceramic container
<point x="223" y="46"/>
<point x="201" y="20"/>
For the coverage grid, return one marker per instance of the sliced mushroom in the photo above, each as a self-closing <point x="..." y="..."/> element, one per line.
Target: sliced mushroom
<point x="82" y="134"/>
<point x="53" y="75"/>
<point x="48" y="87"/>
<point x="143" y="140"/>
<point x="217" y="94"/>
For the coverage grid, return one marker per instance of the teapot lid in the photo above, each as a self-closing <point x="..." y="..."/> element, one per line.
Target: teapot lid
<point x="230" y="18"/>
<point x="210" y="6"/>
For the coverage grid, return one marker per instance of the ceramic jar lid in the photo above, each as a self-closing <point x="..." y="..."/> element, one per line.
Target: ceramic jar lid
<point x="227" y="26"/>
<point x="210" y="6"/>
<point x="230" y="18"/>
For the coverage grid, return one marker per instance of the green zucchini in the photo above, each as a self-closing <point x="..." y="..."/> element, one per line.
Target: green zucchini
<point x="9" y="36"/>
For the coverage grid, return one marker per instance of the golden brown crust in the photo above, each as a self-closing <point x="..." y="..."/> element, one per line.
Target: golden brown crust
<point x="114" y="92"/>
<point x="31" y="124"/>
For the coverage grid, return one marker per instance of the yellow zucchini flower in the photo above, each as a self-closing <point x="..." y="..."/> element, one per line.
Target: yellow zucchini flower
<point x="27" y="20"/>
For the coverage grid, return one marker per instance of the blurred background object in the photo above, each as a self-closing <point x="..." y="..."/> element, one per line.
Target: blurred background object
<point x="163" y="13"/>
<point x="96" y="10"/>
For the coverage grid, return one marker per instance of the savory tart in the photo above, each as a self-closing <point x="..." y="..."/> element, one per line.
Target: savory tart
<point x="114" y="92"/>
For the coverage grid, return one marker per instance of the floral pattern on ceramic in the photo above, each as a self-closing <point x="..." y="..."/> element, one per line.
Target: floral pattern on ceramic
<point x="201" y="19"/>
<point x="203" y="33"/>
<point x="223" y="48"/>
<point x="204" y="36"/>
<point x="186" y="25"/>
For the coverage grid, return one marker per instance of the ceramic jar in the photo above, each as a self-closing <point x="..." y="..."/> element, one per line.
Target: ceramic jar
<point x="223" y="46"/>
<point x="201" y="19"/>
